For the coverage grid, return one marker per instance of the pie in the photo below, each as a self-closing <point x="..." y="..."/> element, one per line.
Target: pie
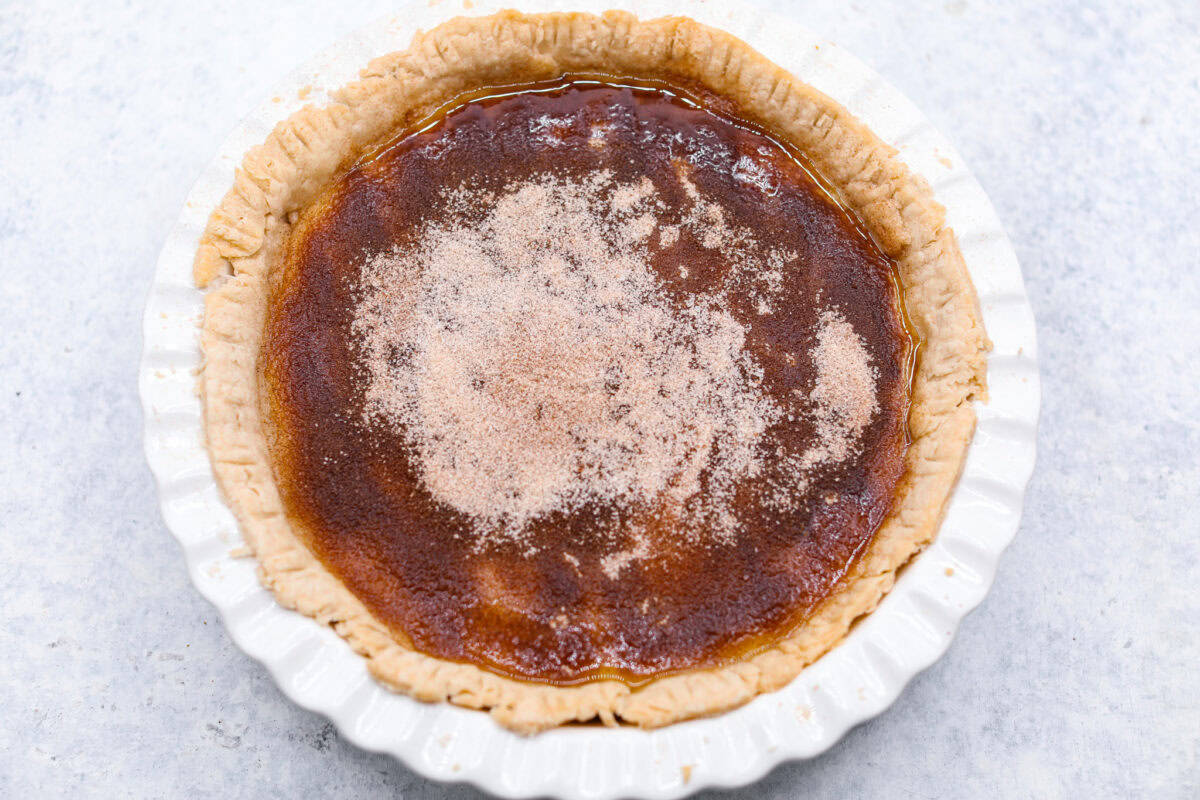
<point x="584" y="368"/>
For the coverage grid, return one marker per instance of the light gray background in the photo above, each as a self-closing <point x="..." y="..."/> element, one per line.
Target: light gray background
<point x="1075" y="678"/>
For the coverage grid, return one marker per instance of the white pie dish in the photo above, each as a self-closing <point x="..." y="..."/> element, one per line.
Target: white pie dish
<point x="856" y="680"/>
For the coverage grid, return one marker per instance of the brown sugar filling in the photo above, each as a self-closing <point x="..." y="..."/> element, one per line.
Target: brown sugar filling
<point x="586" y="380"/>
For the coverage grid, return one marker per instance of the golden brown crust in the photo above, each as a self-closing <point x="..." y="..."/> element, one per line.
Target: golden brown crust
<point x="249" y="229"/>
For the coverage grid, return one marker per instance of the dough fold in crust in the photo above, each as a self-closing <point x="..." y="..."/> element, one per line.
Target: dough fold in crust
<point x="247" y="233"/>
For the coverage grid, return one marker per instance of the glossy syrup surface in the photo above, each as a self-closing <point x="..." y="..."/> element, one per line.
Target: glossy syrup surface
<point x="551" y="613"/>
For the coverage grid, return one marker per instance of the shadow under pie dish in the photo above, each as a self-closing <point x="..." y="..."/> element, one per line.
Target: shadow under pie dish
<point x="581" y="367"/>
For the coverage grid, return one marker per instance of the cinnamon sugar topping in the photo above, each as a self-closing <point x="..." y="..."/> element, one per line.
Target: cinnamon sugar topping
<point x="841" y="405"/>
<point x="532" y="361"/>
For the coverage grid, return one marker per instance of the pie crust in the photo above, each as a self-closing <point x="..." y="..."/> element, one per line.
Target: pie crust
<point x="249" y="230"/>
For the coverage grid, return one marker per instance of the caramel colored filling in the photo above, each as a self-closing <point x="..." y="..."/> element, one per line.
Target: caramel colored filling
<point x="586" y="380"/>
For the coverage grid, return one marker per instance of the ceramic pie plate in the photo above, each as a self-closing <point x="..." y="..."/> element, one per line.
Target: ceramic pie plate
<point x="856" y="680"/>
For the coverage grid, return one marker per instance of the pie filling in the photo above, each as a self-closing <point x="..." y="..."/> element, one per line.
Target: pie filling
<point x="586" y="380"/>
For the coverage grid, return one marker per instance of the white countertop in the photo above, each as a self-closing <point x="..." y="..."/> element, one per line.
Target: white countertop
<point x="1075" y="678"/>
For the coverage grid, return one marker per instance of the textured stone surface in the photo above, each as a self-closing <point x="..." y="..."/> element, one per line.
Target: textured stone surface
<point x="1075" y="678"/>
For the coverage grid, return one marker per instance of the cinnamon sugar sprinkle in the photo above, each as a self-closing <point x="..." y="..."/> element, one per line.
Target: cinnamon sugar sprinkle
<point x="531" y="359"/>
